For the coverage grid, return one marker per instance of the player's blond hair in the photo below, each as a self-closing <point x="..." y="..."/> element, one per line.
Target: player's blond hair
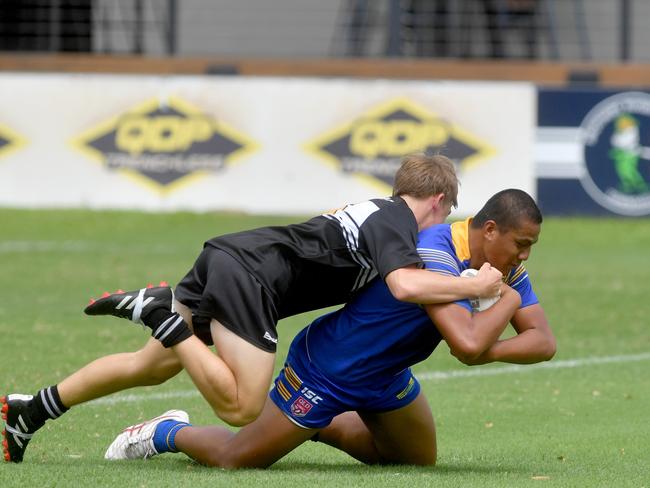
<point x="422" y="176"/>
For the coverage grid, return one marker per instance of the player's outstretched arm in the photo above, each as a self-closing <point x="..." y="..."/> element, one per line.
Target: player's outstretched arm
<point x="470" y="335"/>
<point x="422" y="286"/>
<point x="533" y="343"/>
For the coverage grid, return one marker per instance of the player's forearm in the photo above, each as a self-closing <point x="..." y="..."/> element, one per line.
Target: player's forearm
<point x="531" y="346"/>
<point x="483" y="329"/>
<point x="421" y="286"/>
<point x="488" y="325"/>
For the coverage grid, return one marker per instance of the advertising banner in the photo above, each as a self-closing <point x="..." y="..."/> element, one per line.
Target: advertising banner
<point x="593" y="152"/>
<point x="258" y="145"/>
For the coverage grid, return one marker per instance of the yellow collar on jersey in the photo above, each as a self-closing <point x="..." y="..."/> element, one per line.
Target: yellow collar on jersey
<point x="460" y="238"/>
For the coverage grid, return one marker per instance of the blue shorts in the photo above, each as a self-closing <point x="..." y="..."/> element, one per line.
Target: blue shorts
<point x="311" y="400"/>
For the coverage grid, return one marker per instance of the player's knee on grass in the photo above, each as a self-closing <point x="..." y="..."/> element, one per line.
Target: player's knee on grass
<point x="426" y="457"/>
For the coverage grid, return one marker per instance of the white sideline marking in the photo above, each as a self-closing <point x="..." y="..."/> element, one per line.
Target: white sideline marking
<point x="132" y="398"/>
<point x="423" y="376"/>
<point x="519" y="368"/>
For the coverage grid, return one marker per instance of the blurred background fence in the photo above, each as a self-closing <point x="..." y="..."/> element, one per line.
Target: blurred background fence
<point x="329" y="95"/>
<point x="586" y="30"/>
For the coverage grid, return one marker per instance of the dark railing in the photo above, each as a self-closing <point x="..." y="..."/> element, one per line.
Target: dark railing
<point x="555" y="30"/>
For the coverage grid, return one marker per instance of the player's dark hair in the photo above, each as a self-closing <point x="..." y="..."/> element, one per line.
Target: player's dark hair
<point x="508" y="208"/>
<point x="422" y="176"/>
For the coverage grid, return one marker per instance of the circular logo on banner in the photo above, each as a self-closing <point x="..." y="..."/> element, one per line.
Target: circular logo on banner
<point x="616" y="140"/>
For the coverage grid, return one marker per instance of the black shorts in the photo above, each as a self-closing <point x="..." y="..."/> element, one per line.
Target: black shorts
<point x="219" y="287"/>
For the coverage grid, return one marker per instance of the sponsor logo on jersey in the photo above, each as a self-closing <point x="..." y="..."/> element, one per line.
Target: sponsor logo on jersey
<point x="615" y="136"/>
<point x="164" y="143"/>
<point x="9" y="141"/>
<point x="371" y="145"/>
<point x="300" y="407"/>
<point x="311" y="395"/>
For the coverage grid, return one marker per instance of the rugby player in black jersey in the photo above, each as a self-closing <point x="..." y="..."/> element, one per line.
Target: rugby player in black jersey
<point x="242" y="284"/>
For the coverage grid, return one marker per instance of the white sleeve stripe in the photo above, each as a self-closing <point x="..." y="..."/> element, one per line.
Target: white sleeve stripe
<point x="349" y="238"/>
<point x="364" y="277"/>
<point x="351" y="219"/>
<point x="435" y="252"/>
<point x="366" y="273"/>
<point x="441" y="261"/>
<point x="351" y="230"/>
<point x="351" y="244"/>
<point x="440" y="257"/>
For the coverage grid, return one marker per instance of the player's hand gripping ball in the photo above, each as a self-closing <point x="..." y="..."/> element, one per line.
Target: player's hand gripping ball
<point x="480" y="303"/>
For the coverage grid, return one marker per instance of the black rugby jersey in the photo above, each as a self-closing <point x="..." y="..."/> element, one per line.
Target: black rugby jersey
<point x="321" y="262"/>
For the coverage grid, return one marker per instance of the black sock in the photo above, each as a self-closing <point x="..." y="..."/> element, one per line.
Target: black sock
<point x="169" y="328"/>
<point x="155" y="317"/>
<point x="47" y="405"/>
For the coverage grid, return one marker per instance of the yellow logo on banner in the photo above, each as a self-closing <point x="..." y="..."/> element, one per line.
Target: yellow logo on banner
<point x="9" y="141"/>
<point x="372" y="145"/>
<point x="164" y="144"/>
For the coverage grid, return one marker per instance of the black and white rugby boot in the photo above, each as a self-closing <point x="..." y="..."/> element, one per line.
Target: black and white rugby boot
<point x="19" y="426"/>
<point x="133" y="305"/>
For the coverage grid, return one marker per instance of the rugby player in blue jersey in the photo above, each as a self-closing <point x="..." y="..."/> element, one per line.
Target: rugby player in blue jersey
<point x="242" y="284"/>
<point x="347" y="380"/>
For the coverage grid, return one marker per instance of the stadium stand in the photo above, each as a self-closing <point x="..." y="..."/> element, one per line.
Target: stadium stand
<point x="547" y="41"/>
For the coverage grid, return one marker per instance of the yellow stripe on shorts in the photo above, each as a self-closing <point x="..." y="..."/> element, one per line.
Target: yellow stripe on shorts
<point x="292" y="378"/>
<point x="283" y="391"/>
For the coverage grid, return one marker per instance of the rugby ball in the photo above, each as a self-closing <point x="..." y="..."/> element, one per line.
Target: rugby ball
<point x="480" y="303"/>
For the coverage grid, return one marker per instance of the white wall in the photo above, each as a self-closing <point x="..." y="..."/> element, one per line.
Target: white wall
<point x="261" y="145"/>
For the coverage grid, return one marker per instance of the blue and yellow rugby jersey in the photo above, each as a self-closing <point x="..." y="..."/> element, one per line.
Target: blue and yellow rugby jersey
<point x="375" y="336"/>
<point x="445" y="250"/>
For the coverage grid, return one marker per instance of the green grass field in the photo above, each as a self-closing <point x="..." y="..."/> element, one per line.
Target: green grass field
<point x="580" y="420"/>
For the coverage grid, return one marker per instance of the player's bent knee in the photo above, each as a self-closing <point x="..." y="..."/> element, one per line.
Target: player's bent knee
<point x="241" y="416"/>
<point x="243" y="411"/>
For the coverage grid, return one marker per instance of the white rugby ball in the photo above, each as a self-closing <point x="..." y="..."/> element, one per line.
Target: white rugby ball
<point x="479" y="303"/>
